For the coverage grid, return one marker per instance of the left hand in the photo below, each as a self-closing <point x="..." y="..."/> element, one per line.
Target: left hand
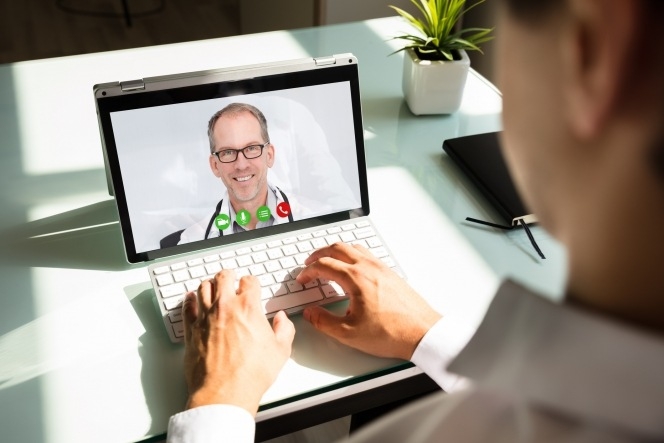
<point x="232" y="354"/>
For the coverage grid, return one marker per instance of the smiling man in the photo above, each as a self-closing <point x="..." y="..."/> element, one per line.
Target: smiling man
<point x="240" y="155"/>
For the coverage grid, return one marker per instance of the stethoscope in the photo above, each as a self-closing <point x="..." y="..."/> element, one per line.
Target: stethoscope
<point x="217" y="211"/>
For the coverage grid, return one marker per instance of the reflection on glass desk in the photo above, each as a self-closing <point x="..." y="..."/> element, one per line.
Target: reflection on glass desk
<point x="83" y="353"/>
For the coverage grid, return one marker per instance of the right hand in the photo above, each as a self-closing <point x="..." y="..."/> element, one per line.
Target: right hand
<point x="385" y="316"/>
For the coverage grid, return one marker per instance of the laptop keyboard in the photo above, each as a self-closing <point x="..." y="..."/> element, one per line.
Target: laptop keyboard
<point x="275" y="263"/>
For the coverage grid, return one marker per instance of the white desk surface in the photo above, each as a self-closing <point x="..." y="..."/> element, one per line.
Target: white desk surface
<point x="83" y="353"/>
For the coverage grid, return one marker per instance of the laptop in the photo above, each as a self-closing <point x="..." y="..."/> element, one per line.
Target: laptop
<point x="249" y="168"/>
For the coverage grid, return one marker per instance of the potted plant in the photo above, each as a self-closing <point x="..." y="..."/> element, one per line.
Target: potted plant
<point x="435" y="60"/>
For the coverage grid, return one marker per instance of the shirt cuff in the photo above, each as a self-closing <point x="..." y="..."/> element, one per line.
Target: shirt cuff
<point x="438" y="347"/>
<point x="212" y="423"/>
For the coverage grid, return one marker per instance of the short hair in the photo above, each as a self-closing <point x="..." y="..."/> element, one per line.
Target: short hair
<point x="235" y="109"/>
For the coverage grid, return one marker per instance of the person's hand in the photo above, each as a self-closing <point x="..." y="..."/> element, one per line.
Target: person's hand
<point x="385" y="317"/>
<point x="232" y="354"/>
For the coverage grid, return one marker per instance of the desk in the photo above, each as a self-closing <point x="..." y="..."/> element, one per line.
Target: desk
<point x="83" y="353"/>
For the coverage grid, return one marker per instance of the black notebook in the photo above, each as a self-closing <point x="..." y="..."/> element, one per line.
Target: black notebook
<point x="480" y="157"/>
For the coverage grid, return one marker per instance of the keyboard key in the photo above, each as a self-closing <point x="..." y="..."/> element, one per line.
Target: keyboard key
<point x="266" y="293"/>
<point x="331" y="239"/>
<point x="304" y="246"/>
<point x="348" y="227"/>
<point x="259" y="257"/>
<point x="178" y="329"/>
<point x="274" y="244"/>
<point x="281" y="276"/>
<point x="301" y="258"/>
<point x="321" y="233"/>
<point x="212" y="268"/>
<point x="259" y="247"/>
<point x="296" y="271"/>
<point x="287" y="262"/>
<point x="389" y="261"/>
<point x="164" y="280"/>
<point x="363" y="224"/>
<point x="334" y="230"/>
<point x="242" y="251"/>
<point x="178" y="266"/>
<point x="266" y="280"/>
<point x="181" y="275"/>
<point x="276" y="304"/>
<point x="305" y="237"/>
<point x="318" y="243"/>
<point x="364" y="233"/>
<point x="229" y="263"/>
<point x="161" y="270"/>
<point x="257" y="269"/>
<point x="211" y="258"/>
<point x="275" y="253"/>
<point x="175" y="315"/>
<point x="347" y="237"/>
<point x="227" y="254"/>
<point x="195" y="262"/>
<point x="374" y="242"/>
<point x="192" y="285"/>
<point x="379" y="252"/>
<point x="294" y="286"/>
<point x="289" y="240"/>
<point x="332" y="289"/>
<point x="172" y="290"/>
<point x="197" y="272"/>
<point x="173" y="303"/>
<point x="279" y="289"/>
<point x="361" y="242"/>
<point x="272" y="266"/>
<point x="245" y="260"/>
<point x="289" y="250"/>
<point x="311" y="284"/>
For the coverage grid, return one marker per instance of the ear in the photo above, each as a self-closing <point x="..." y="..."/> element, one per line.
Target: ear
<point x="214" y="166"/>
<point x="270" y="155"/>
<point x="598" y="40"/>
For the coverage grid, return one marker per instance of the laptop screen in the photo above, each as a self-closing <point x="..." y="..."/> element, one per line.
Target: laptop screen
<point x="206" y="165"/>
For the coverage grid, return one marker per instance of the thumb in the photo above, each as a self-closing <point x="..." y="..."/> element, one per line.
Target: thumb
<point x="324" y="321"/>
<point x="284" y="330"/>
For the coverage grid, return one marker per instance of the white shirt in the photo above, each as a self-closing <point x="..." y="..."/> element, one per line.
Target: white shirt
<point x="541" y="372"/>
<point x="197" y="231"/>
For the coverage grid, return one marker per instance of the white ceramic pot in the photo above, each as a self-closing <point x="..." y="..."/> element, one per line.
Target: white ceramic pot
<point x="434" y="87"/>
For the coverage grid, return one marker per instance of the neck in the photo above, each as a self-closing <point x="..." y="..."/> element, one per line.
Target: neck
<point x="615" y="243"/>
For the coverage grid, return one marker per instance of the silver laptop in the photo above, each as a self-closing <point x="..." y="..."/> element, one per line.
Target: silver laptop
<point x="250" y="168"/>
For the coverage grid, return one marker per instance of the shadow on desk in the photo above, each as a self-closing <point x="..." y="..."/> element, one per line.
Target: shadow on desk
<point x="84" y="238"/>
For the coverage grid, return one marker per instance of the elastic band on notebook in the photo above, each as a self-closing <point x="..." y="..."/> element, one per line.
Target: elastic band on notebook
<point x="509" y="228"/>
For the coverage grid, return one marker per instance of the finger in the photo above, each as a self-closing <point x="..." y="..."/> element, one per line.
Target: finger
<point x="225" y="285"/>
<point x="189" y="313"/>
<point x="284" y="330"/>
<point x="326" y="267"/>
<point x="363" y="250"/>
<point x="204" y="294"/>
<point x="339" y="251"/>
<point x="249" y="286"/>
<point x="324" y="321"/>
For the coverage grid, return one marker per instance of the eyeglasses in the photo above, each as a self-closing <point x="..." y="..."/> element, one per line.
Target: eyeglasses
<point x="249" y="152"/>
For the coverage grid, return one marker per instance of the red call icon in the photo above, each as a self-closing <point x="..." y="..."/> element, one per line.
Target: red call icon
<point x="283" y="209"/>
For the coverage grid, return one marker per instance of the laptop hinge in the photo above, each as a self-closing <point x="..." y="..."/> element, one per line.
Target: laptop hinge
<point x="324" y="61"/>
<point x="132" y="85"/>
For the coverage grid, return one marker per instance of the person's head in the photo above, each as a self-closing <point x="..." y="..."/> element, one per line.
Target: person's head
<point x="236" y="132"/>
<point x="583" y="120"/>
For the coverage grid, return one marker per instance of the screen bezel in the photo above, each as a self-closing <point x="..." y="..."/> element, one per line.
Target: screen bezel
<point x="219" y="89"/>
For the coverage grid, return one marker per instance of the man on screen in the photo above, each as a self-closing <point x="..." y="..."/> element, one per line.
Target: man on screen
<point x="240" y="155"/>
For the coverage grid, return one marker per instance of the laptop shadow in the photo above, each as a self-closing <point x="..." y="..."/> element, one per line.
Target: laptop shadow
<point x="85" y="238"/>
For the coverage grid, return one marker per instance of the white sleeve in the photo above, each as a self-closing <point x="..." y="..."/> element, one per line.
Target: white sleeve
<point x="438" y="347"/>
<point x="211" y="423"/>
